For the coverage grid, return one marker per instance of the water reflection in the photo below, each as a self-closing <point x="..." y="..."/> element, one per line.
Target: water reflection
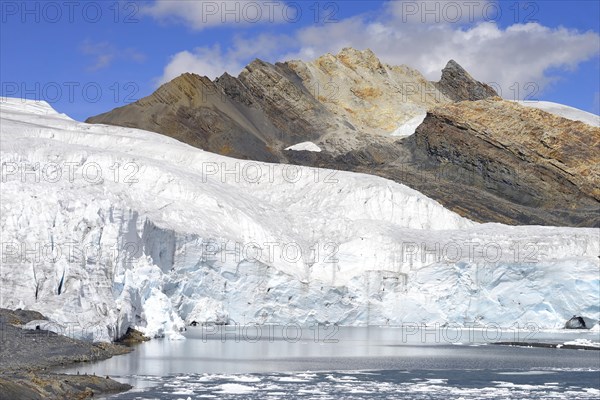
<point x="225" y="350"/>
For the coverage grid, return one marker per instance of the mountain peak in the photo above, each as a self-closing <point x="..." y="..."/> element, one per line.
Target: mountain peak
<point x="353" y="58"/>
<point x="351" y="51"/>
<point x="184" y="87"/>
<point x="451" y="64"/>
<point x="459" y="85"/>
<point x="257" y="63"/>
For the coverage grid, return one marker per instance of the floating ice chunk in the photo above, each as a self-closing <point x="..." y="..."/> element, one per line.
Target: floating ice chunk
<point x="234" y="388"/>
<point x="582" y="342"/>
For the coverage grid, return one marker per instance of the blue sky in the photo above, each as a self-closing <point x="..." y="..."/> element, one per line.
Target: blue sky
<point x="88" y="57"/>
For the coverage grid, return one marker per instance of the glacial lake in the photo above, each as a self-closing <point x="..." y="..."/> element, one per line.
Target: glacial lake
<point x="270" y="362"/>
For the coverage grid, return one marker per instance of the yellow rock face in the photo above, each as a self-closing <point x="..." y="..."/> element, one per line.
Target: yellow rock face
<point x="376" y="98"/>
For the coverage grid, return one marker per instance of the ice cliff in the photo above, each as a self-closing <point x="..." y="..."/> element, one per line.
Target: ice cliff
<point x="107" y="227"/>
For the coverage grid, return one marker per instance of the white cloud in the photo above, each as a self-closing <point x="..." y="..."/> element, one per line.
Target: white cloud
<point x="520" y="54"/>
<point x="517" y="59"/>
<point x="104" y="54"/>
<point x="204" y="61"/>
<point x="201" y="14"/>
<point x="213" y="61"/>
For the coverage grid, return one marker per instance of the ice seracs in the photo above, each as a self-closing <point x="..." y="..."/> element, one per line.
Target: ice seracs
<point x="105" y="228"/>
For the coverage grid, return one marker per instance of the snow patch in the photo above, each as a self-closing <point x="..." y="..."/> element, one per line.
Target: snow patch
<point x="409" y="127"/>
<point x="305" y="146"/>
<point x="44" y="325"/>
<point x="564" y="111"/>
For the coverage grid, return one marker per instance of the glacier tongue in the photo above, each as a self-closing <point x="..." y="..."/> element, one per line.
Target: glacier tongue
<point x="105" y="227"/>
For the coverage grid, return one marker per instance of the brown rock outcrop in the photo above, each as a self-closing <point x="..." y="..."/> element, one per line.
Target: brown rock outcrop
<point x="458" y="85"/>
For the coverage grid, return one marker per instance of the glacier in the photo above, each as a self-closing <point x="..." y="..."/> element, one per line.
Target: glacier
<point x="105" y="228"/>
<point x="564" y="111"/>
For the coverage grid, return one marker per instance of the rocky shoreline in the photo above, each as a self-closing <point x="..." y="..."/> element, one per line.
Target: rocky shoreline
<point x="28" y="358"/>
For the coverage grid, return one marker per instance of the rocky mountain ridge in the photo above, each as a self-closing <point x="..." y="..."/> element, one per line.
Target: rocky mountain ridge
<point x="483" y="157"/>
